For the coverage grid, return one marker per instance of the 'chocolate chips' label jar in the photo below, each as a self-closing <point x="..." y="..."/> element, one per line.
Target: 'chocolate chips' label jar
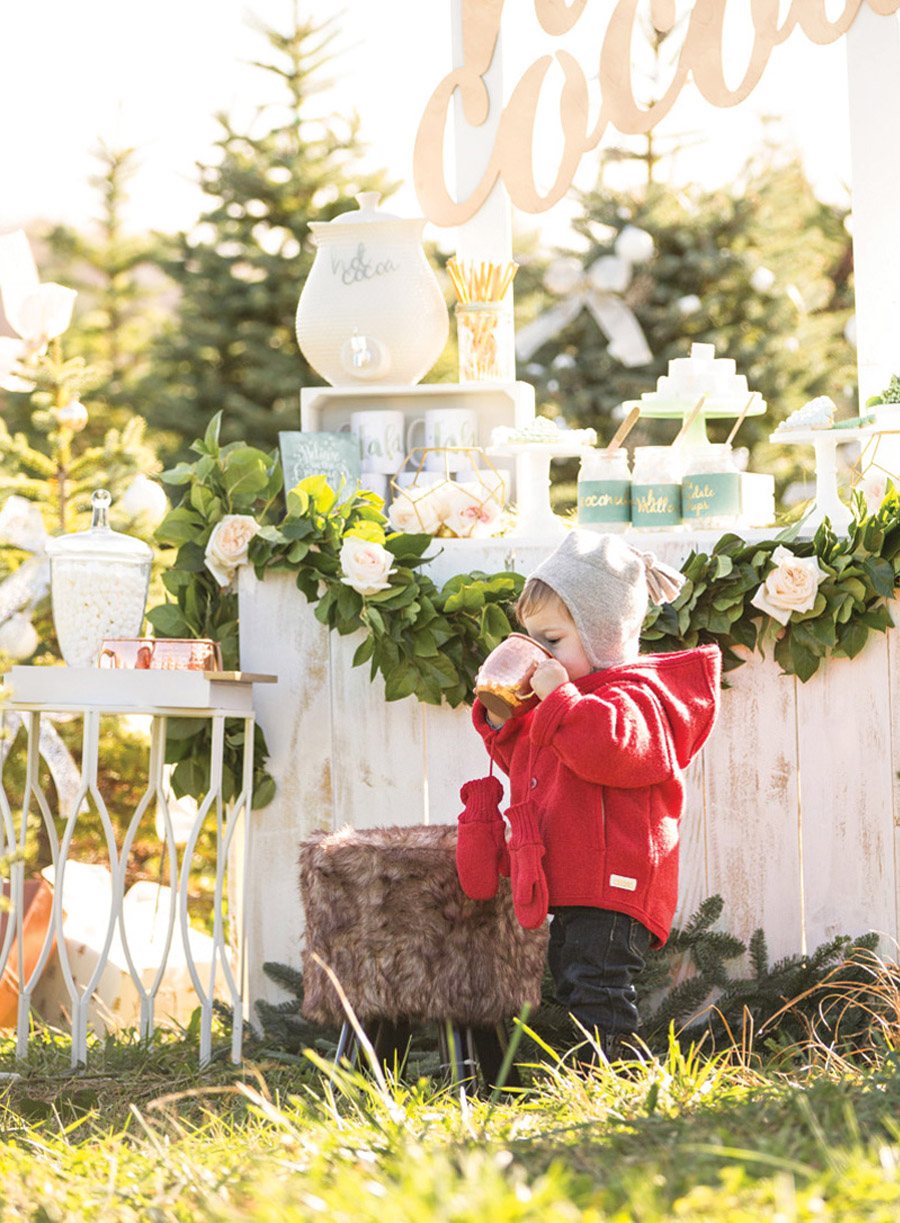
<point x="656" y="487"/>
<point x="604" y="490"/>
<point x="711" y="488"/>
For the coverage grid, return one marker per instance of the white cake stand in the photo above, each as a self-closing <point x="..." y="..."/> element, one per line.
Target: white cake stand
<point x="716" y="407"/>
<point x="828" y="503"/>
<point x="536" y="521"/>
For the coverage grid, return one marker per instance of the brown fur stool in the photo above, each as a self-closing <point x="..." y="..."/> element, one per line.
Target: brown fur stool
<point x="384" y="910"/>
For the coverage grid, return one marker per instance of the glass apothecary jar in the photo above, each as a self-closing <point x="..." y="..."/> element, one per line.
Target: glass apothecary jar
<point x="485" y="333"/>
<point x="98" y="585"/>
<point x="656" y="487"/>
<point x="604" y="490"/>
<point x="711" y="487"/>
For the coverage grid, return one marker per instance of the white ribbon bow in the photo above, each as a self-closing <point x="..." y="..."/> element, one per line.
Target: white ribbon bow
<point x="599" y="289"/>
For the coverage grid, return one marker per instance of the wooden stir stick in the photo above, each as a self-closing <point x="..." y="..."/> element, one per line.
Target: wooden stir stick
<point x="689" y="419"/>
<point x="623" y="430"/>
<point x="740" y="420"/>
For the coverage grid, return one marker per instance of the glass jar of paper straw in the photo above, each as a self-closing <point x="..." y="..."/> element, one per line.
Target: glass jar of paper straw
<point x="484" y="321"/>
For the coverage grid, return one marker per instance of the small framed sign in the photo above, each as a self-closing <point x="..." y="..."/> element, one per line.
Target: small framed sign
<point x="332" y="455"/>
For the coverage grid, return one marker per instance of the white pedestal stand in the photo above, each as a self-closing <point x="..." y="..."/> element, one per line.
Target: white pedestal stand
<point x="91" y="694"/>
<point x="536" y="521"/>
<point x="828" y="503"/>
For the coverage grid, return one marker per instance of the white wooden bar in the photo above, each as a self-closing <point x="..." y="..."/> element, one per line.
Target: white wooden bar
<point x="792" y="812"/>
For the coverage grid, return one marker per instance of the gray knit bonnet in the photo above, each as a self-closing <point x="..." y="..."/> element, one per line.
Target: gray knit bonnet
<point x="606" y="586"/>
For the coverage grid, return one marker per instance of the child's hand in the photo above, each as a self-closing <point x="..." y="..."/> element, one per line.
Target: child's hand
<point x="547" y="677"/>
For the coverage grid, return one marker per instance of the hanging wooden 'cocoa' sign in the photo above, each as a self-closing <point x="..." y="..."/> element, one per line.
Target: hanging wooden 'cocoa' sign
<point x="701" y="59"/>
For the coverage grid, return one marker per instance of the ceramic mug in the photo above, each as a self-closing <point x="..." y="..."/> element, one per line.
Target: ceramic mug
<point x="380" y="435"/>
<point x="445" y="427"/>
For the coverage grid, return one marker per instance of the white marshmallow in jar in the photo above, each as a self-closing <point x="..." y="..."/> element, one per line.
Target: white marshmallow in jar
<point x="711" y="488"/>
<point x="656" y="487"/>
<point x="98" y="585"/>
<point x="604" y="490"/>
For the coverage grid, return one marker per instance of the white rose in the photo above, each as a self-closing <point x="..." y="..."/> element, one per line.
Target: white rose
<point x="366" y="565"/>
<point x="228" y="544"/>
<point x="474" y="513"/>
<point x="18" y="637"/>
<point x="792" y="586"/>
<point x="415" y="511"/>
<point x="22" y="525"/>
<point x="144" y="498"/>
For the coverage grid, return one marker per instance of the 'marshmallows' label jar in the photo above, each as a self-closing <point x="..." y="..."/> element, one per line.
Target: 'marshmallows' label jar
<point x="711" y="488"/>
<point x="656" y="487"/>
<point x="98" y="585"/>
<point x="604" y="490"/>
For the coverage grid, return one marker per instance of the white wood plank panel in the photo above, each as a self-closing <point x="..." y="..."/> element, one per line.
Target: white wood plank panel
<point x="378" y="769"/>
<point x="281" y="636"/>
<point x="846" y="797"/>
<point x="753" y="807"/>
<point x="455" y="754"/>
<point x="693" y="874"/>
<point x="893" y="651"/>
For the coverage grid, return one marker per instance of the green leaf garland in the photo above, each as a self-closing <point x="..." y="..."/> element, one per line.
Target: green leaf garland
<point x="429" y="643"/>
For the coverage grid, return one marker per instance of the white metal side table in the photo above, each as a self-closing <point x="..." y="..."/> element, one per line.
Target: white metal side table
<point x="92" y="693"/>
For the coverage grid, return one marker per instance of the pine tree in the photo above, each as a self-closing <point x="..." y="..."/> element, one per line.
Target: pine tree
<point x="728" y="270"/>
<point x="231" y="345"/>
<point x="117" y="284"/>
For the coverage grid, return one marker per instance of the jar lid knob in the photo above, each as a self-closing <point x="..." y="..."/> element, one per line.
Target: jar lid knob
<point x="100" y="503"/>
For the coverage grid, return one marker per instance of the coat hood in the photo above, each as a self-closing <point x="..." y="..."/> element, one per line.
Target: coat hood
<point x="686" y="685"/>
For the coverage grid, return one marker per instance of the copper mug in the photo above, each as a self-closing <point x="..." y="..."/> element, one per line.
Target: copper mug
<point x="502" y="682"/>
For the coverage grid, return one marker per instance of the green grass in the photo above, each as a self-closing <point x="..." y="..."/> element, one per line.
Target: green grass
<point x="141" y="1134"/>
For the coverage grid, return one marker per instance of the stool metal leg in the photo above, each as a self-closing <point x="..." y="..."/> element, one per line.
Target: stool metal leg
<point x="457" y="1056"/>
<point x="490" y="1048"/>
<point x="347" y="1046"/>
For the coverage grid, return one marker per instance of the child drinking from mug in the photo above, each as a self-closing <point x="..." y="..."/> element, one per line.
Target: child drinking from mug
<point x="596" y="776"/>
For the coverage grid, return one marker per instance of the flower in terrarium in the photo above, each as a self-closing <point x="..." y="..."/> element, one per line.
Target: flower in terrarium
<point x="37" y="313"/>
<point x="227" y="548"/>
<point x="874" y="487"/>
<point x="791" y="586"/>
<point x="366" y="565"/>
<point x="472" y="511"/>
<point x="416" y="511"/>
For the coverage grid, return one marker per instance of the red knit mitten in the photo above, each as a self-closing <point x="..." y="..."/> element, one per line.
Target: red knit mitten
<point x="481" y="839"/>
<point x="526" y="850"/>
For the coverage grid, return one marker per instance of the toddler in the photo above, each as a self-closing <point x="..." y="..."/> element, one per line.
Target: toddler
<point x="596" y="776"/>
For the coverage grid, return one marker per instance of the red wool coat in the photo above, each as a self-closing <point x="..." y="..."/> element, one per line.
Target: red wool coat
<point x="602" y="760"/>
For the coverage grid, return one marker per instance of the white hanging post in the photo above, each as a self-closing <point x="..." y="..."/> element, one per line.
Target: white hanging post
<point x="873" y="80"/>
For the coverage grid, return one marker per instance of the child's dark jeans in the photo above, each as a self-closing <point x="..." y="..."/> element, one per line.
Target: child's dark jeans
<point x="594" y="957"/>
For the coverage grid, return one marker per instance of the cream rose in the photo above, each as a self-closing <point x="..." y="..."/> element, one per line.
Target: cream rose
<point x="791" y="587"/>
<point x="415" y="512"/>
<point x="366" y="565"/>
<point x="228" y="544"/>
